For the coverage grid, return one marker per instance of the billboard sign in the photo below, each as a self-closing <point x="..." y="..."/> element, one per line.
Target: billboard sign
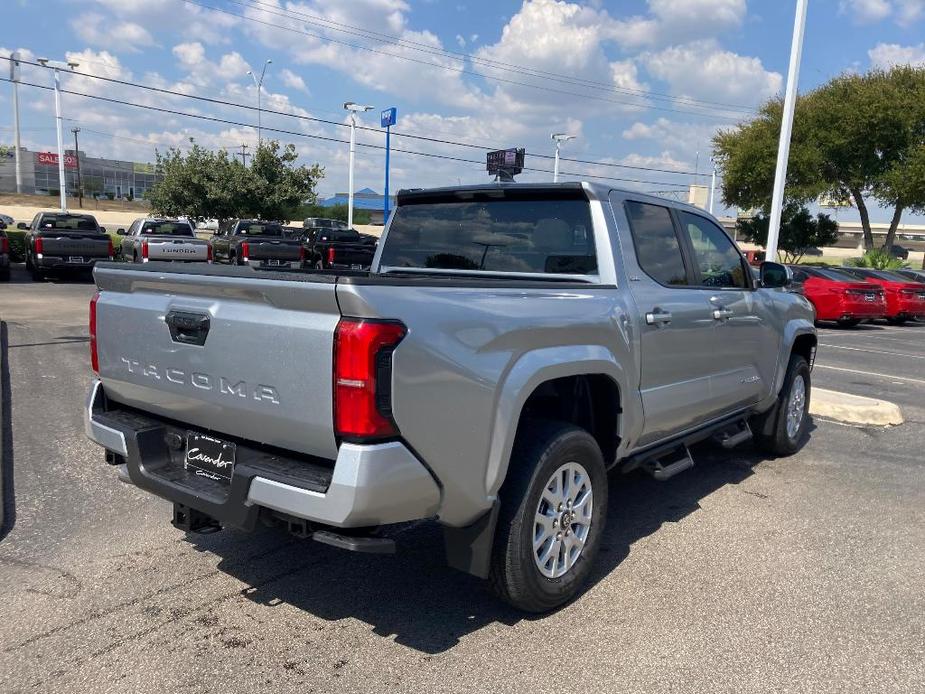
<point x="510" y="161"/>
<point x="51" y="159"/>
<point x="388" y="117"/>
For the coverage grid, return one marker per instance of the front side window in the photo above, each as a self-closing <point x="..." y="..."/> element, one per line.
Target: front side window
<point x="715" y="255"/>
<point x="494" y="235"/>
<point x="657" y="246"/>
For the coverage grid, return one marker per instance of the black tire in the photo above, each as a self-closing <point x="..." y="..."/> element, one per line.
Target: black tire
<point x="540" y="450"/>
<point x="319" y="265"/>
<point x="848" y="322"/>
<point x="5" y="274"/>
<point x="36" y="274"/>
<point x="770" y="428"/>
<point x="896" y="321"/>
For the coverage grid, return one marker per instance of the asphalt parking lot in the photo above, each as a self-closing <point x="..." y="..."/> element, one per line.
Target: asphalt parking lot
<point x="742" y="575"/>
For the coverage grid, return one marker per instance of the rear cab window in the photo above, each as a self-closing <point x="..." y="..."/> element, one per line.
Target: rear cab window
<point x="259" y="229"/>
<point x="496" y="231"/>
<point x="167" y="229"/>
<point x="68" y="222"/>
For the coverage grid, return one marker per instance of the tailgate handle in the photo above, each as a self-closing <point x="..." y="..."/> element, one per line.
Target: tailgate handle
<point x="188" y="328"/>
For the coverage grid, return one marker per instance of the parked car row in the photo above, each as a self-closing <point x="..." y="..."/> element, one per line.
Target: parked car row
<point x="849" y="295"/>
<point x="64" y="241"/>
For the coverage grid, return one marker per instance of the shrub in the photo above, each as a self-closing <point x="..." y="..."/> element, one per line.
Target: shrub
<point x="17" y="239"/>
<point x="878" y="259"/>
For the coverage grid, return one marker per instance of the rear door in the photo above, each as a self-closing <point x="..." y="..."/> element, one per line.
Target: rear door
<point x="745" y="345"/>
<point x="676" y="341"/>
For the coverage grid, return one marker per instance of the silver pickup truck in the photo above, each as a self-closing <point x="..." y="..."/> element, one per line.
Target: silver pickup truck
<point x="512" y="344"/>
<point x="156" y="238"/>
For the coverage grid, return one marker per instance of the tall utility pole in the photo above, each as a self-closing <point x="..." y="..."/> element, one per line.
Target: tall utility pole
<point x="259" y="85"/>
<point x="57" y="66"/>
<point x="80" y="190"/>
<point x="353" y="109"/>
<point x="559" y="139"/>
<point x="712" y="184"/>
<point x="244" y="155"/>
<point x="387" y="120"/>
<point x="14" y="78"/>
<point x="786" y="128"/>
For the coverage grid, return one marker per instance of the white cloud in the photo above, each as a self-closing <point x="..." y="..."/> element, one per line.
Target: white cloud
<point x="293" y="81"/>
<point x="703" y="70"/>
<point x="97" y="30"/>
<point x="204" y="72"/>
<point x="671" y="21"/>
<point x="884" y="55"/>
<point x="460" y="40"/>
<point x="904" y="12"/>
<point x="172" y="17"/>
<point x="678" y="139"/>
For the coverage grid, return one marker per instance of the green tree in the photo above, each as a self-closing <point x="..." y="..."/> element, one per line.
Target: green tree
<point x="799" y="231"/>
<point x="878" y="260"/>
<point x="202" y="184"/>
<point x="858" y="137"/>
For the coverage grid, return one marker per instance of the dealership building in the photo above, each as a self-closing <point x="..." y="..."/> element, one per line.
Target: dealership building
<point x="39" y="170"/>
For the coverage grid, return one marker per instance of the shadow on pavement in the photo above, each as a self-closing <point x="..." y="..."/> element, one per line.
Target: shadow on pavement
<point x="18" y="275"/>
<point x="7" y="492"/>
<point x="425" y="605"/>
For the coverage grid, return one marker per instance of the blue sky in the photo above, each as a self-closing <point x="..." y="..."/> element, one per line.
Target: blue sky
<point x="641" y="84"/>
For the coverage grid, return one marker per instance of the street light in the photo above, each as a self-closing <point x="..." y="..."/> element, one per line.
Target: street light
<point x="58" y="65"/>
<point x="353" y="109"/>
<point x="259" y="85"/>
<point x="559" y="139"/>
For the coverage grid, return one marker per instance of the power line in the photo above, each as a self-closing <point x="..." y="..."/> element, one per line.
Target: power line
<point x="351" y="29"/>
<point x="223" y="102"/>
<point x="225" y="121"/>
<point x="460" y="70"/>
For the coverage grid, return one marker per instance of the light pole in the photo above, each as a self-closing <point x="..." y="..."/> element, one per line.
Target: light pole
<point x="259" y="85"/>
<point x="353" y="109"/>
<point x="786" y="127"/>
<point x="712" y="184"/>
<point x="14" y="78"/>
<point x="57" y="66"/>
<point x="80" y="190"/>
<point x="559" y="139"/>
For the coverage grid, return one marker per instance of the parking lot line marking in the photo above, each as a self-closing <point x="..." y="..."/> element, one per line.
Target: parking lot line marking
<point x="873" y="351"/>
<point x="870" y="373"/>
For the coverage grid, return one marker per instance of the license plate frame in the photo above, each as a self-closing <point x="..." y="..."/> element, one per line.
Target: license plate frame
<point x="209" y="457"/>
<point x="273" y="262"/>
<point x="75" y="259"/>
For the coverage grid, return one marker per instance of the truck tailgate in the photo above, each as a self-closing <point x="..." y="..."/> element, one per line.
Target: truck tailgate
<point x="351" y="254"/>
<point x="263" y="371"/>
<point x="86" y="245"/>
<point x="285" y="249"/>
<point x="178" y="249"/>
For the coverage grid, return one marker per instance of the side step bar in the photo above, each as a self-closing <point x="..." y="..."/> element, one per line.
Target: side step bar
<point x="733" y="436"/>
<point x="670" y="464"/>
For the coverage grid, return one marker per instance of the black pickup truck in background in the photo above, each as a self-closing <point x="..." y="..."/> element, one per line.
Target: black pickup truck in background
<point x="4" y="253"/>
<point x="329" y="248"/>
<point x="61" y="241"/>
<point x="257" y="243"/>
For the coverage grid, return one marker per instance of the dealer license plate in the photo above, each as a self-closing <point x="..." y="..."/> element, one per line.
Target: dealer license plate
<point x="209" y="457"/>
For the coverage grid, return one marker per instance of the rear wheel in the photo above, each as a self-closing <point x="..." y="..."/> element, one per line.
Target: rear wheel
<point x="36" y="274"/>
<point x="780" y="430"/>
<point x="5" y="274"/>
<point x="849" y="322"/>
<point x="553" y="510"/>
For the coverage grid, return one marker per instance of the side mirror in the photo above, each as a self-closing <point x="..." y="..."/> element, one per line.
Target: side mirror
<point x="22" y="225"/>
<point x="103" y="229"/>
<point x="120" y="232"/>
<point x="775" y="275"/>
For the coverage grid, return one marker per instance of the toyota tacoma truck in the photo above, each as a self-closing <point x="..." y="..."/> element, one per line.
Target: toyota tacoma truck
<point x="61" y="241"/>
<point x="153" y="238"/>
<point x="257" y="244"/>
<point x="511" y="345"/>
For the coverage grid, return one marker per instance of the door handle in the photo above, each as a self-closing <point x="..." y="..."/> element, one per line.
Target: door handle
<point x="722" y="314"/>
<point x="658" y="318"/>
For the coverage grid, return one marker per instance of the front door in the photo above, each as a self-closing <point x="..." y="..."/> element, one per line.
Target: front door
<point x="676" y="324"/>
<point x="745" y="346"/>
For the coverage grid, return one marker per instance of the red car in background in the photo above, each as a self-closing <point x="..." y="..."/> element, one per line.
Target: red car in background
<point x="840" y="297"/>
<point x="905" y="298"/>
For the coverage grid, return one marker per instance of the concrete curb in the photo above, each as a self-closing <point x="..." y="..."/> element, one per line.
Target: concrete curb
<point x="854" y="409"/>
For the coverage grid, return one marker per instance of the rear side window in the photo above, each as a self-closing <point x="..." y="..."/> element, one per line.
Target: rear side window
<point x="715" y="255"/>
<point x="167" y="229"/>
<point x="503" y="235"/>
<point x="657" y="246"/>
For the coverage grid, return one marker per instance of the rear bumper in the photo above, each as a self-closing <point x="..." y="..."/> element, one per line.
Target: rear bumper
<point x="264" y="264"/>
<point x="365" y="485"/>
<point x="907" y="308"/>
<point x="54" y="262"/>
<point x="860" y="309"/>
<point x="4" y="260"/>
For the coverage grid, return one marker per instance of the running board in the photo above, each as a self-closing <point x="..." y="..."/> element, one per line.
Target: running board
<point x="737" y="434"/>
<point x="667" y="466"/>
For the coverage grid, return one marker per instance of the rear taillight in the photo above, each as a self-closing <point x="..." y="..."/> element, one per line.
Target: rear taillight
<point x="245" y="251"/>
<point x="301" y="253"/>
<point x="209" y="253"/>
<point x="111" y="251"/>
<point x="332" y="254"/>
<point x="144" y="251"/>
<point x="39" y="247"/>
<point x="4" y="245"/>
<point x="94" y="357"/>
<point x="363" y="378"/>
